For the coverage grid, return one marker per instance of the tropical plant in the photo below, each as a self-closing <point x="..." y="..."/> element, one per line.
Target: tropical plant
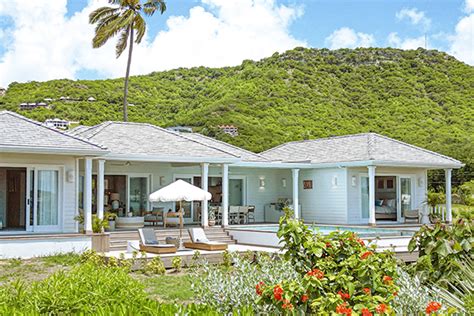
<point x="124" y="18"/>
<point x="459" y="292"/>
<point x="98" y="224"/>
<point x="440" y="247"/>
<point x="339" y="273"/>
<point x="225" y="288"/>
<point x="435" y="198"/>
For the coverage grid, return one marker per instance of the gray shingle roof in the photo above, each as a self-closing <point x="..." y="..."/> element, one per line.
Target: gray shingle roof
<point x="18" y="132"/>
<point x="142" y="139"/>
<point x="246" y="155"/>
<point x="359" y="147"/>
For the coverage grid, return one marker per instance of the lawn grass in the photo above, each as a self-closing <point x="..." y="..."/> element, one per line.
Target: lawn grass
<point x="170" y="287"/>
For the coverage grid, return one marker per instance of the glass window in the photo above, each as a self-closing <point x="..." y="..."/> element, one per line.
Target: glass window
<point x="138" y="195"/>
<point x="405" y="194"/>
<point x="48" y="194"/>
<point x="365" y="196"/>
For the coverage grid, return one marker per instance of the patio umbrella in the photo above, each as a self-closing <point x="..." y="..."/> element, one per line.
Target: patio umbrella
<point x="180" y="191"/>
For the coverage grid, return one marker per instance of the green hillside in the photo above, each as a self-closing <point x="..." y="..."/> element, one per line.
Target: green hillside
<point x="423" y="97"/>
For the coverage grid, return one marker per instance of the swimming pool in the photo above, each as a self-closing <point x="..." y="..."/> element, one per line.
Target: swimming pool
<point x="366" y="232"/>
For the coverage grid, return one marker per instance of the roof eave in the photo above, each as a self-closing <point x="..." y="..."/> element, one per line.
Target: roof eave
<point x="274" y="165"/>
<point x="49" y="150"/>
<point x="151" y="158"/>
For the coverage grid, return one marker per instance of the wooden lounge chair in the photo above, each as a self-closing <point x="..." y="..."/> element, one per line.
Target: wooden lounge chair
<point x="149" y="243"/>
<point x="200" y="241"/>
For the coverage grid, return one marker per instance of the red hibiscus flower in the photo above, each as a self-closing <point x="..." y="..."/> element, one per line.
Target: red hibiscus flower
<point x="304" y="298"/>
<point x="387" y="279"/>
<point x="433" y="307"/>
<point x="395" y="293"/>
<point x="361" y="242"/>
<point x="344" y="296"/>
<point x="366" y="290"/>
<point x="258" y="288"/>
<point x="316" y="273"/>
<point x="287" y="305"/>
<point x="343" y="309"/>
<point x="277" y="292"/>
<point x="366" y="254"/>
<point x="328" y="245"/>
<point x="366" y="312"/>
<point x="381" y="308"/>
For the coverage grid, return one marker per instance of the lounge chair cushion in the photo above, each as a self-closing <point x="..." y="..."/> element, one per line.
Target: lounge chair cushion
<point x="198" y="235"/>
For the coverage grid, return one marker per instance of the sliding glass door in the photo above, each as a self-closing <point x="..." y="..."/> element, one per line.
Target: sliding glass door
<point x="43" y="200"/>
<point x="405" y="195"/>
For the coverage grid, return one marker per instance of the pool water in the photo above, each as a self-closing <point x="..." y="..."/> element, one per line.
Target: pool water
<point x="325" y="230"/>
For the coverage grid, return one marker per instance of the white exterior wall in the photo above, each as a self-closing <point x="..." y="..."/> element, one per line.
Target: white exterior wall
<point x="68" y="201"/>
<point x="253" y="195"/>
<point x="327" y="201"/>
<point x="354" y="201"/>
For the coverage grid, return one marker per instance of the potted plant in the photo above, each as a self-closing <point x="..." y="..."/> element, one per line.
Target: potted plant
<point x="211" y="218"/>
<point x="433" y="199"/>
<point x="111" y="221"/>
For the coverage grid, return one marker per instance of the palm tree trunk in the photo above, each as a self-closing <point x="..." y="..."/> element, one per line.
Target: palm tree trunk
<point x="127" y="75"/>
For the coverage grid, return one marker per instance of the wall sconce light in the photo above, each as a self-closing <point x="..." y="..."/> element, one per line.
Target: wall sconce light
<point x="334" y="181"/>
<point x="70" y="176"/>
<point x="262" y="183"/>
<point x="354" y="181"/>
<point x="283" y="182"/>
<point x="420" y="182"/>
<point x="162" y="180"/>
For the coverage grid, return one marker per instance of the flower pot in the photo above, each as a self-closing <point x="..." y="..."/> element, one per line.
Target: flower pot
<point x="211" y="222"/>
<point x="111" y="227"/>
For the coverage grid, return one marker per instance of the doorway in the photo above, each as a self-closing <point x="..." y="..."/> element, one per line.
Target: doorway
<point x="13" y="198"/>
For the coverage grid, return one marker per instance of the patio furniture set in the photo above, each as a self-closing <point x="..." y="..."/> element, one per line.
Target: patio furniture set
<point x="237" y="214"/>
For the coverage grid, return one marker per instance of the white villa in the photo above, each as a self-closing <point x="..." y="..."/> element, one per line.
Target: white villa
<point x="47" y="176"/>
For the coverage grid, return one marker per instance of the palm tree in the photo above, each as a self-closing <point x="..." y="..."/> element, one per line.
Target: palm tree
<point x="124" y="18"/>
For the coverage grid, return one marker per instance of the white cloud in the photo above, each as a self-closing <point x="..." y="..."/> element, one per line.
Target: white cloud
<point x="462" y="41"/>
<point x="46" y="44"/>
<point x="415" y="17"/>
<point x="406" y="43"/>
<point x="348" y="38"/>
<point x="469" y="6"/>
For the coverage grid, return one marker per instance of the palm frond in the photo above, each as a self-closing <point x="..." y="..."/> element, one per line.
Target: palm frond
<point x="140" y="26"/>
<point x="101" y="13"/>
<point x="151" y="6"/>
<point x="122" y="42"/>
<point x="106" y="31"/>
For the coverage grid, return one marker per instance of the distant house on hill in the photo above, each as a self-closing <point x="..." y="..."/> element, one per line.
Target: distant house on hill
<point x="2" y="91"/>
<point x="57" y="123"/>
<point x="180" y="129"/>
<point x="32" y="105"/>
<point x="230" y="130"/>
<point x="91" y="99"/>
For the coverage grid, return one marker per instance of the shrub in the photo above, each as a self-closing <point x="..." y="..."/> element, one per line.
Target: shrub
<point x="155" y="266"/>
<point x="227" y="288"/>
<point x="176" y="263"/>
<point x="339" y="273"/>
<point x="440" y="249"/>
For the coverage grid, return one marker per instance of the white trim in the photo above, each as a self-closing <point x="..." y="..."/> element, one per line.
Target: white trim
<point x="150" y="158"/>
<point x="47" y="150"/>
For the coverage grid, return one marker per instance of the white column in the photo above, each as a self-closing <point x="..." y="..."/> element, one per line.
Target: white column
<point x="371" y="195"/>
<point x="295" y="173"/>
<point x="225" y="195"/>
<point x="449" y="211"/>
<point x="88" y="195"/>
<point x="100" y="188"/>
<point x="204" y="186"/>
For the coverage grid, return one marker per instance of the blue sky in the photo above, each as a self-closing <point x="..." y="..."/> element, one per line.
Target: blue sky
<point x="223" y="32"/>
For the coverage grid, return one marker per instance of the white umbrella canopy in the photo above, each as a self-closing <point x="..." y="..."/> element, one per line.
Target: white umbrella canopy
<point x="180" y="191"/>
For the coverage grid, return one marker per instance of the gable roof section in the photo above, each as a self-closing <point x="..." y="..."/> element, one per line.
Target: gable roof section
<point x="20" y="134"/>
<point x="244" y="154"/>
<point x="142" y="141"/>
<point x="368" y="147"/>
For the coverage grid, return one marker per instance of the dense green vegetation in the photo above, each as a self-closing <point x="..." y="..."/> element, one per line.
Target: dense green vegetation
<point x="423" y="97"/>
